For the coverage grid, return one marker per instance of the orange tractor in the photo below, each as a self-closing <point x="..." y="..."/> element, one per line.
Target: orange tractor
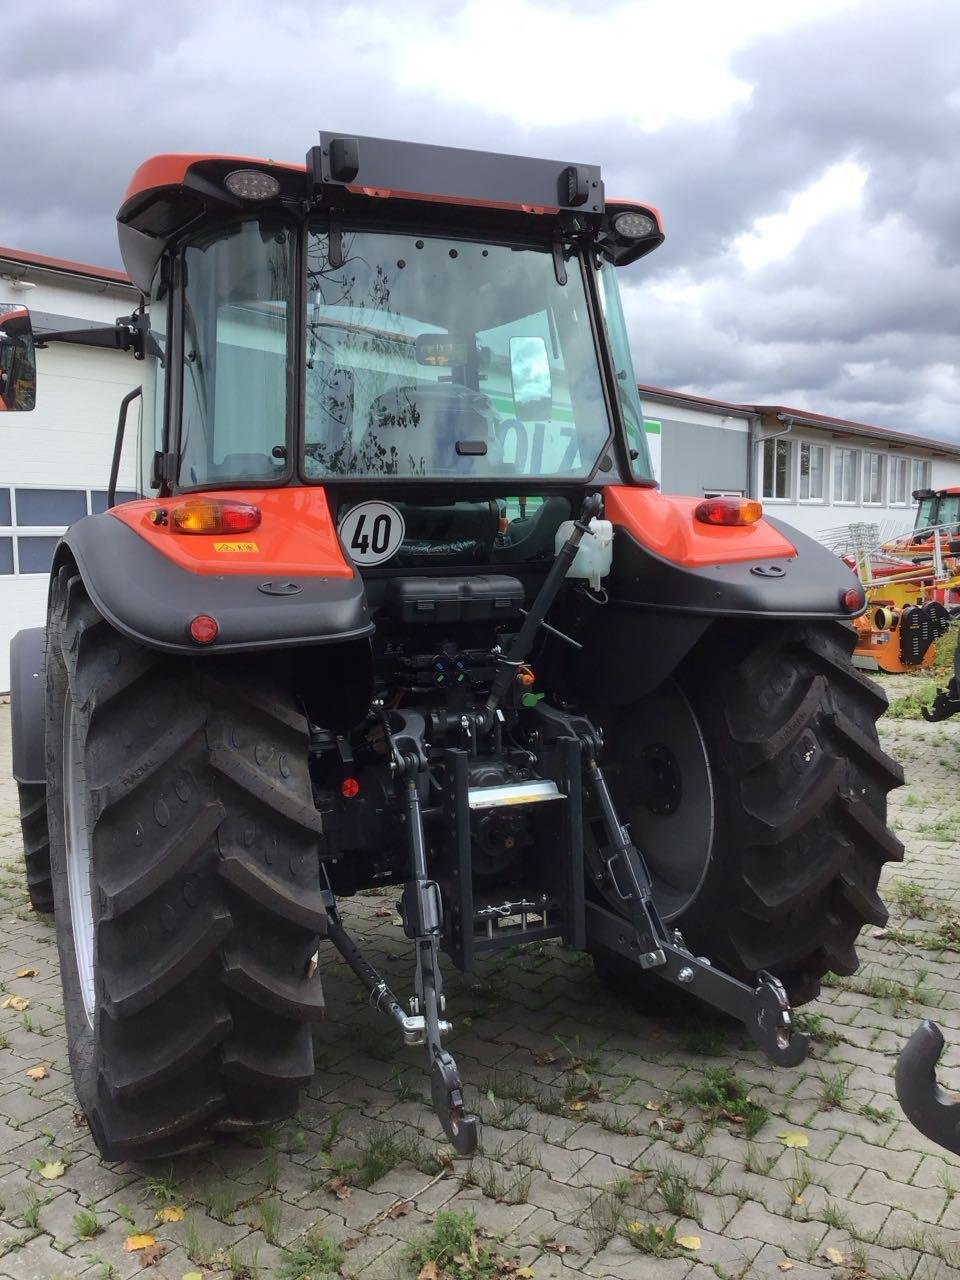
<point x="401" y="605"/>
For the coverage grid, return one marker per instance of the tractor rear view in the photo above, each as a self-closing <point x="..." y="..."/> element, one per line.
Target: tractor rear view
<point x="401" y="605"/>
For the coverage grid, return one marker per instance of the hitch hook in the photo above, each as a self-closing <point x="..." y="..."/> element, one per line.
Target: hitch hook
<point x="926" y="1104"/>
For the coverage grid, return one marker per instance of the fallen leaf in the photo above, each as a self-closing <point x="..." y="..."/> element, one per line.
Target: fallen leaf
<point x="794" y="1139"/>
<point x="636" y="1226"/>
<point x="577" y="1106"/>
<point x="545" y="1058"/>
<point x="689" y="1242"/>
<point x="880" y="933"/>
<point x="428" y="1272"/>
<point x="557" y="1246"/>
<point x="52" y="1169"/>
<point x="526" y="1272"/>
<point x="79" y="1120"/>
<point x="151" y="1255"/>
<point x="192" y="1275"/>
<point x="834" y="1256"/>
<point x="673" y="1126"/>
<point x="38" y="1073"/>
<point x="798" y="1199"/>
<point x="785" y="1265"/>
<point x="383" y="911"/>
<point x="444" y="1158"/>
<point x="340" y="1188"/>
<point x="351" y="1243"/>
<point x="27" y="973"/>
<point x="16" y="1002"/>
<point x="399" y="1210"/>
<point x="133" y="1244"/>
<point x="171" y="1213"/>
<point x="651" y="1106"/>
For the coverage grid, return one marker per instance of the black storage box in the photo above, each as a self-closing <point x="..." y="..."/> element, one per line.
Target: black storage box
<point x="483" y="598"/>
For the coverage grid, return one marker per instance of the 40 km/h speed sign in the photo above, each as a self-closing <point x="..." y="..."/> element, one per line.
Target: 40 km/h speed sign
<point x="371" y="532"/>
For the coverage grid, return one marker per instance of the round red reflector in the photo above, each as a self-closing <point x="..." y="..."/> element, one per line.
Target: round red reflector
<point x="852" y="599"/>
<point x="349" y="787"/>
<point x="204" y="629"/>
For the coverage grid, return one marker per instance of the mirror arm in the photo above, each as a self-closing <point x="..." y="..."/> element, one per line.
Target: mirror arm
<point x="128" y="334"/>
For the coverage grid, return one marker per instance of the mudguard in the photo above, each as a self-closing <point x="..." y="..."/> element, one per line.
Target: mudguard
<point x="811" y="583"/>
<point x="150" y="597"/>
<point x="27" y="705"/>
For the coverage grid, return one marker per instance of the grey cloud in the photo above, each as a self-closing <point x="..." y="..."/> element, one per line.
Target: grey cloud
<point x="879" y="288"/>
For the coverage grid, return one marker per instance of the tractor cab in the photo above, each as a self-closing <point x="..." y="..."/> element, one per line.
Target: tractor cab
<point x="937" y="508"/>
<point x="389" y="316"/>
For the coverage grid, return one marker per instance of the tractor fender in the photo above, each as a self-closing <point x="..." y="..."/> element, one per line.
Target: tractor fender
<point x="149" y="597"/>
<point x="810" y="583"/>
<point x="27" y="705"/>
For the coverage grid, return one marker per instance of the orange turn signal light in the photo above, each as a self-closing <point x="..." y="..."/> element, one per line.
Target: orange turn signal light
<point x="728" y="511"/>
<point x="214" y="515"/>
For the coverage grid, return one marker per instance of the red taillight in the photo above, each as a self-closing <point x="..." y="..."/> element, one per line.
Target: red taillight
<point x="729" y="511"/>
<point x="204" y="629"/>
<point x="852" y="599"/>
<point x="214" y="515"/>
<point x="349" y="787"/>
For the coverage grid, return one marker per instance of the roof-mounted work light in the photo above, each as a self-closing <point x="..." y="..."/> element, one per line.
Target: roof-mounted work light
<point x="251" y="184"/>
<point x="630" y="232"/>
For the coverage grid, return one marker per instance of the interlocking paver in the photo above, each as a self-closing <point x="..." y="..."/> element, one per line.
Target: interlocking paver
<point x="867" y="1185"/>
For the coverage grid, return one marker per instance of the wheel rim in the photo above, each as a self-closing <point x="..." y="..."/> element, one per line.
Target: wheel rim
<point x="660" y="776"/>
<point x="77" y="848"/>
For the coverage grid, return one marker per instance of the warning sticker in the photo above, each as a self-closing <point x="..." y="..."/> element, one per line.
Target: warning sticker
<point x="235" y="546"/>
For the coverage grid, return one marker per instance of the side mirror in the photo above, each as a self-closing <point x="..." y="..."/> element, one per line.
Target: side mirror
<point x="530" y="377"/>
<point x="18" y="362"/>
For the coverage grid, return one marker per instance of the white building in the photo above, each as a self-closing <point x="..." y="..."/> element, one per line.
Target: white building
<point x="55" y="460"/>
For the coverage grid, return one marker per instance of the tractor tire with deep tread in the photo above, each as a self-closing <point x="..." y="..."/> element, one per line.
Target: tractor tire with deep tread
<point x="36" y="844"/>
<point x="799" y="783"/>
<point x="194" y="791"/>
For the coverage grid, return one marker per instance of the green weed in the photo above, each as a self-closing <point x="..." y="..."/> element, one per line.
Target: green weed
<point x="86" y="1224"/>
<point x="455" y="1249"/>
<point x="721" y="1096"/>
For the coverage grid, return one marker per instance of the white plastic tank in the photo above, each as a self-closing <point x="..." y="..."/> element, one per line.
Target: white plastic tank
<point x="595" y="553"/>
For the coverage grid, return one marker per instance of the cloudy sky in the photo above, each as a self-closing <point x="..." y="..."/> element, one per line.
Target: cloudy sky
<point x="805" y="155"/>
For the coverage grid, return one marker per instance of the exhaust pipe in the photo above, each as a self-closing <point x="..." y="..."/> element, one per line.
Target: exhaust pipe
<point x="926" y="1104"/>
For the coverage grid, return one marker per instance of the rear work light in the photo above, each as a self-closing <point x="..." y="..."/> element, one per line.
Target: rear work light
<point x="214" y="516"/>
<point x="728" y="511"/>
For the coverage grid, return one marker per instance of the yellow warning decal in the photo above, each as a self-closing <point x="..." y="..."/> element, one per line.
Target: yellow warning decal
<point x="235" y="546"/>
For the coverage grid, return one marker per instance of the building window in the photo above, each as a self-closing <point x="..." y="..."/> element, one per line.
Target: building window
<point x="777" y="455"/>
<point x="873" y="479"/>
<point x="899" y="468"/>
<point x="32" y="522"/>
<point x="919" y="474"/>
<point x="812" y="473"/>
<point x="846" y="464"/>
<point x="46" y="507"/>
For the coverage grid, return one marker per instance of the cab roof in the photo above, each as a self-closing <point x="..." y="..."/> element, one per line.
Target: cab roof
<point x="170" y="193"/>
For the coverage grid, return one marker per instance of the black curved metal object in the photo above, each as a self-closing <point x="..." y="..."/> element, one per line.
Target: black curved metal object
<point x="27" y="692"/>
<point x="926" y="1104"/>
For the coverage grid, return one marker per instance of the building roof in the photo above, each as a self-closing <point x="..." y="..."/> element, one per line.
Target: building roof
<point x="63" y="266"/>
<point x="804" y="418"/>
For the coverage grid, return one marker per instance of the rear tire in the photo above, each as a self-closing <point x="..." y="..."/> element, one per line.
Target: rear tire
<point x="36" y="844"/>
<point x="798" y="808"/>
<point x="189" y="813"/>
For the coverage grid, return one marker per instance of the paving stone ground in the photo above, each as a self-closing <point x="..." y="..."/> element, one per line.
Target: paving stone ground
<point x="585" y="1124"/>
